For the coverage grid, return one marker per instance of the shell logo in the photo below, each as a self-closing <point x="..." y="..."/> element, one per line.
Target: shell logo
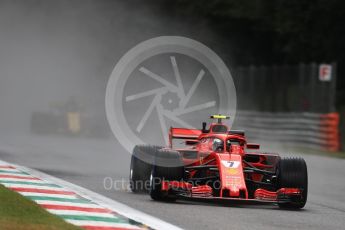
<point x="232" y="171"/>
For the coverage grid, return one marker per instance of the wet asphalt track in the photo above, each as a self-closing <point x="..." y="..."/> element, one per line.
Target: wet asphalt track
<point x="88" y="162"/>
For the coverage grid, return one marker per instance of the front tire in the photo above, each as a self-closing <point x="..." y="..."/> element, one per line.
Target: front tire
<point x="293" y="173"/>
<point x="140" y="168"/>
<point x="168" y="167"/>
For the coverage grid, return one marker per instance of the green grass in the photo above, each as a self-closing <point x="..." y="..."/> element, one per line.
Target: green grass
<point x="19" y="213"/>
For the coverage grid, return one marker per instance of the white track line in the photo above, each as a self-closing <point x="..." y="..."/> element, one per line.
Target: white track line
<point x="20" y="179"/>
<point x="33" y="186"/>
<point x="80" y="213"/>
<point x="101" y="224"/>
<point x="48" y="195"/>
<point x="9" y="170"/>
<point x="23" y="180"/>
<point x="66" y="203"/>
<point x="12" y="174"/>
<point x="103" y="201"/>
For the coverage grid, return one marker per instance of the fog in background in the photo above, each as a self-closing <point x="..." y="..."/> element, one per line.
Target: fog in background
<point x="52" y="51"/>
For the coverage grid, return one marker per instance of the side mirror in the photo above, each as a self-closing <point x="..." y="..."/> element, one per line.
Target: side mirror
<point x="192" y="142"/>
<point x="253" y="146"/>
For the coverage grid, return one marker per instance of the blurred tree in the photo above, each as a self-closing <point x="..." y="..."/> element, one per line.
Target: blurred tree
<point x="273" y="31"/>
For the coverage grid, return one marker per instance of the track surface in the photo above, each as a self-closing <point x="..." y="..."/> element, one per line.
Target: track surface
<point x="88" y="162"/>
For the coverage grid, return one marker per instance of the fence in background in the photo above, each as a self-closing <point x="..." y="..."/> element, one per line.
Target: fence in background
<point x="308" y="130"/>
<point x="287" y="88"/>
<point x="292" y="105"/>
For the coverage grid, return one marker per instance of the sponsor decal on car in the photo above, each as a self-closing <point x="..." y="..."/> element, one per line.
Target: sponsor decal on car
<point x="231" y="164"/>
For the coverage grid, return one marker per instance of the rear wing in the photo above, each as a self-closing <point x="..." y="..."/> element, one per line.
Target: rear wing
<point x="182" y="133"/>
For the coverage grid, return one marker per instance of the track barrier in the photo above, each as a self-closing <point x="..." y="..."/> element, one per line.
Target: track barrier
<point x="310" y="130"/>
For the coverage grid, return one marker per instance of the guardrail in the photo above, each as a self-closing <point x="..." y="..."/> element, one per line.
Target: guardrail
<point x="311" y="130"/>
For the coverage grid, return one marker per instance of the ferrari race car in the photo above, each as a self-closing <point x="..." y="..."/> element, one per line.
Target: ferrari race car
<point x="215" y="164"/>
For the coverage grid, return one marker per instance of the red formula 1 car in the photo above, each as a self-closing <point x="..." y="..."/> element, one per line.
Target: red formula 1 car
<point x="215" y="164"/>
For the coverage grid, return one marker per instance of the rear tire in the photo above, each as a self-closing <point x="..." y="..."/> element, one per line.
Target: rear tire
<point x="140" y="168"/>
<point x="168" y="167"/>
<point x="293" y="173"/>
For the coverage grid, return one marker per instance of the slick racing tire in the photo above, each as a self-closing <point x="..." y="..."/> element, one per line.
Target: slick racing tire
<point x="292" y="173"/>
<point x="140" y="168"/>
<point x="168" y="167"/>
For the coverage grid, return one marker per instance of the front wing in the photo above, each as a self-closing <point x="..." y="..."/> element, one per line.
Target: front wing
<point x="204" y="192"/>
